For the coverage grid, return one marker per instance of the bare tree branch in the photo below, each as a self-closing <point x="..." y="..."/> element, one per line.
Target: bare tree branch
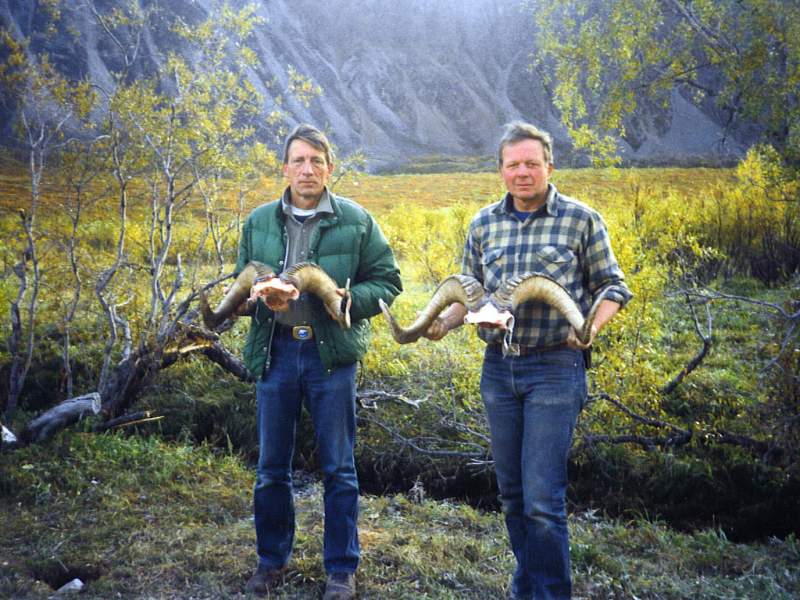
<point x="716" y="39"/>
<point x="702" y="353"/>
<point x="422" y="445"/>
<point x="104" y="280"/>
<point x="217" y="353"/>
<point x="709" y="295"/>
<point x="792" y="319"/>
<point x="129" y="54"/>
<point x="370" y="398"/>
<point x="648" y="443"/>
<point x="650" y="422"/>
<point x="142" y="416"/>
<point x="678" y="436"/>
<point x="183" y="308"/>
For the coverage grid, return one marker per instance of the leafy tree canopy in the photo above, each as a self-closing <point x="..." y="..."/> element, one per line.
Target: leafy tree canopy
<point x="606" y="57"/>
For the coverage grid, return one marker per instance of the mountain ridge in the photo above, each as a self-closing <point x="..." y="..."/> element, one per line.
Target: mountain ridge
<point x="402" y="79"/>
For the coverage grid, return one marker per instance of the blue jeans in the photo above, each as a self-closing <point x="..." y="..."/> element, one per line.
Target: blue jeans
<point x="296" y="372"/>
<point x="532" y="403"/>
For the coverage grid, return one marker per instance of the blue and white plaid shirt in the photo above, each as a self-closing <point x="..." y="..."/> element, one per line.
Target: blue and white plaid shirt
<point x="564" y="239"/>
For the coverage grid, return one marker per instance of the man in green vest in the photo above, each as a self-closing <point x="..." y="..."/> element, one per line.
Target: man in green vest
<point x="297" y="353"/>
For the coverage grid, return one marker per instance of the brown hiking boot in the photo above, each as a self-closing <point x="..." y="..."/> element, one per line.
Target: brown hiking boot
<point x="340" y="586"/>
<point x="263" y="580"/>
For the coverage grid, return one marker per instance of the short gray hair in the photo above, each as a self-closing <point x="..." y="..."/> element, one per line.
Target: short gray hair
<point x="310" y="135"/>
<point x="518" y="131"/>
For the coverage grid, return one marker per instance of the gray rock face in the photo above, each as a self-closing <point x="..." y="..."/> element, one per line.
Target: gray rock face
<point x="400" y="78"/>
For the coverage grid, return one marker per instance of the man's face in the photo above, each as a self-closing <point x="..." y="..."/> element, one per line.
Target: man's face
<point x="526" y="172"/>
<point x="307" y="171"/>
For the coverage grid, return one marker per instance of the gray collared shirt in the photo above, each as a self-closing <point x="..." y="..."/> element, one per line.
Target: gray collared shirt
<point x="298" y="239"/>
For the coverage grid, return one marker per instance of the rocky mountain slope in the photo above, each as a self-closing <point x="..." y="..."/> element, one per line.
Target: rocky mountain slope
<point x="400" y="78"/>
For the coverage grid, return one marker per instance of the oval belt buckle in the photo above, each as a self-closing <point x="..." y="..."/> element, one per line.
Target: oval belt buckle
<point x="302" y="332"/>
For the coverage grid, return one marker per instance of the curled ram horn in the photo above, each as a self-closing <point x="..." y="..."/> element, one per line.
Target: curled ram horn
<point x="237" y="293"/>
<point x="455" y="288"/>
<point x="308" y="277"/>
<point x="536" y="286"/>
<point x="305" y="277"/>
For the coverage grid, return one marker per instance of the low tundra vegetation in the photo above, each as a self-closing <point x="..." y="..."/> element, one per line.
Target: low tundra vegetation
<point x="137" y="517"/>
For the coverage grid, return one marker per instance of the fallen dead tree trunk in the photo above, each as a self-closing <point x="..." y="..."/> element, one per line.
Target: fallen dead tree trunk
<point x="125" y="383"/>
<point x="219" y="354"/>
<point x="60" y="416"/>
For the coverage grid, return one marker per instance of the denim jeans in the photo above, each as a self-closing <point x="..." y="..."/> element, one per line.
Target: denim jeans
<point x="296" y="373"/>
<point x="532" y="403"/>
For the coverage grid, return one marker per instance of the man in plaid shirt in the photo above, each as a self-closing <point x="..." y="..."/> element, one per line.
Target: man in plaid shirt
<point x="533" y="394"/>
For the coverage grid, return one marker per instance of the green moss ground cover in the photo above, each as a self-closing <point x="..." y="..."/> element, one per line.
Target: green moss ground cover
<point x="137" y="517"/>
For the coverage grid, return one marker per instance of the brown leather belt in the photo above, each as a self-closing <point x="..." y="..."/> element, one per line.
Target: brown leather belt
<point x="527" y="350"/>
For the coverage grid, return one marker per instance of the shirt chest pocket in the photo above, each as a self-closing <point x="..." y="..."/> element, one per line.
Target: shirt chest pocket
<point x="558" y="262"/>
<point x="493" y="264"/>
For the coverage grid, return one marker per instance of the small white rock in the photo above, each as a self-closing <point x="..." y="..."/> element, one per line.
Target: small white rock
<point x="8" y="437"/>
<point x="76" y="585"/>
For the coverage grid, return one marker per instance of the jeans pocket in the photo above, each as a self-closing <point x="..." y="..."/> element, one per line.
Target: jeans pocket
<point x="562" y="359"/>
<point x="561" y="377"/>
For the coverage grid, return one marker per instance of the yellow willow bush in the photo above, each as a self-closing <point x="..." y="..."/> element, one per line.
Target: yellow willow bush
<point x="428" y="244"/>
<point x="429" y="241"/>
<point x="755" y="224"/>
<point x="667" y="226"/>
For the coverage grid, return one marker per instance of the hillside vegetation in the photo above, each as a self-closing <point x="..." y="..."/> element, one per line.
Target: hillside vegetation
<point x="692" y="424"/>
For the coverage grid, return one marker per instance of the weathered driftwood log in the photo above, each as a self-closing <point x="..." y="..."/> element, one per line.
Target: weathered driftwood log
<point x="61" y="415"/>
<point x="306" y="277"/>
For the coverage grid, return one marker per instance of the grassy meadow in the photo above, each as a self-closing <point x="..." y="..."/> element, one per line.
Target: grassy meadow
<point x="135" y="517"/>
<point x="664" y="502"/>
